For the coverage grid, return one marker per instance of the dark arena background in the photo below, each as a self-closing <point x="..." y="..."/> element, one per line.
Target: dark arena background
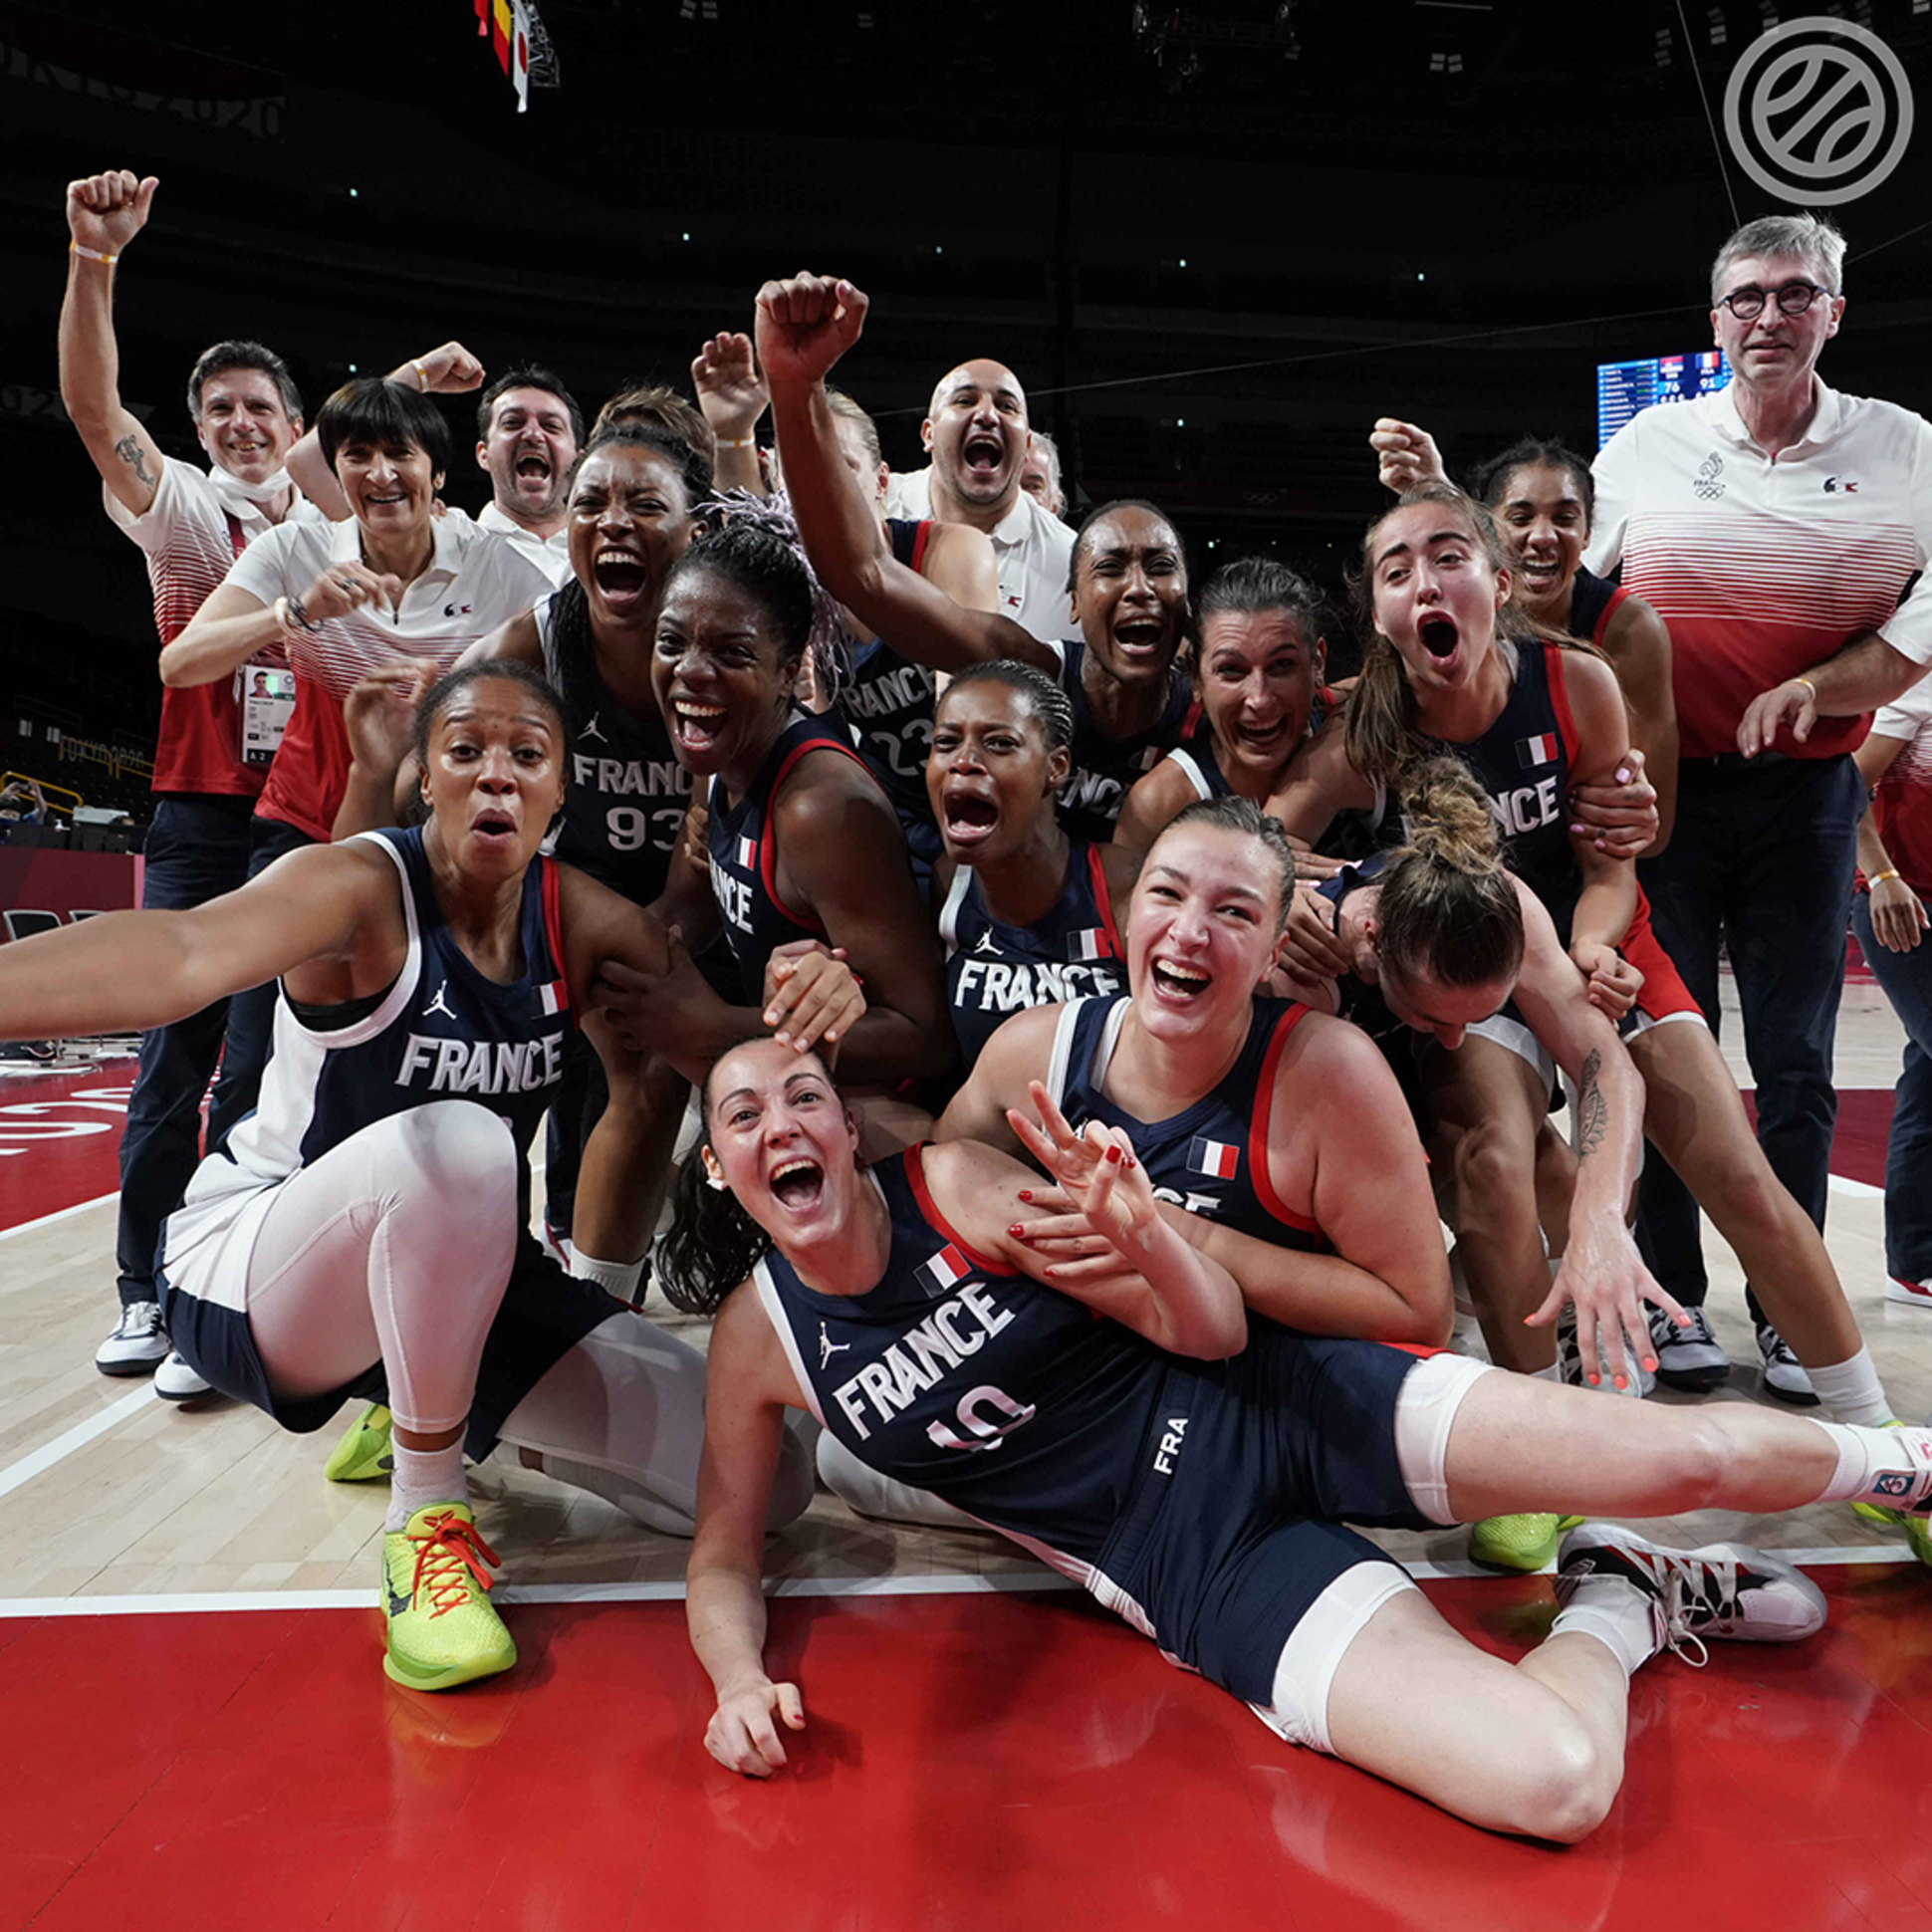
<point x="1215" y="242"/>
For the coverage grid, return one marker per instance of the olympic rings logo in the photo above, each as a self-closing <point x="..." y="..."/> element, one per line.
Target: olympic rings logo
<point x="1818" y="111"/>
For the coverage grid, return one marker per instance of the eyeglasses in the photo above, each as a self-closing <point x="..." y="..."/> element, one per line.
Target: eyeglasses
<point x="1792" y="300"/>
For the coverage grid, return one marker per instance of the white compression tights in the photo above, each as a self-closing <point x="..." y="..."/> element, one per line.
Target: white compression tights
<point x="395" y="1244"/>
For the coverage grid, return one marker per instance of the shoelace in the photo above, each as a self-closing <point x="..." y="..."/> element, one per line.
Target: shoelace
<point x="1699" y="1329"/>
<point x="139" y="1319"/>
<point x="1693" y="1585"/>
<point x="446" y="1553"/>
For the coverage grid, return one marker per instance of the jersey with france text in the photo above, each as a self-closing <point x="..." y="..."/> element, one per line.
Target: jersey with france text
<point x="888" y="702"/>
<point x="1011" y="1400"/>
<point x="627" y="794"/>
<point x="442" y="1032"/>
<point x="1211" y="1159"/>
<point x="1522" y="762"/>
<point x="1104" y="770"/>
<point x="993" y="970"/>
<point x="744" y="848"/>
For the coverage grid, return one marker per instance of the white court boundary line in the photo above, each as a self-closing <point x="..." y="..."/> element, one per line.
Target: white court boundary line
<point x="78" y="1437"/>
<point x="64" y="1214"/>
<point x="1017" y="1583"/>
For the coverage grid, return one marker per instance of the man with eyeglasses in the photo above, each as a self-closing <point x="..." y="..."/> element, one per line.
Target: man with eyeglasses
<point x="1773" y="526"/>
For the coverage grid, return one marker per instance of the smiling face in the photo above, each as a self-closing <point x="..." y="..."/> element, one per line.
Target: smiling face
<point x="244" y="424"/>
<point x="629" y="523"/>
<point x="991" y="775"/>
<point x="1540" y="518"/>
<point x="391" y="485"/>
<point x="529" y="451"/>
<point x="495" y="777"/>
<point x="718" y="675"/>
<point x="1773" y="349"/>
<point x="780" y="1139"/>
<point x="1435" y="592"/>
<point x="1258" y="675"/>
<point x="977" y="433"/>
<point x="1130" y="593"/>
<point x="1206" y="914"/>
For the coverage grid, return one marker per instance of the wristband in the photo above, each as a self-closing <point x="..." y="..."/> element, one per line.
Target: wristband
<point x="730" y="443"/>
<point x="291" y="615"/>
<point x="1808" y="684"/>
<point x="91" y="254"/>
<point x="422" y="376"/>
<point x="1878" y="878"/>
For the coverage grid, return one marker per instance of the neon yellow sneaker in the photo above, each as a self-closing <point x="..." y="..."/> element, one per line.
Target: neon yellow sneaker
<point x="441" y="1627"/>
<point x="1914" y="1529"/>
<point x="1523" y="1542"/>
<point x="364" y="1454"/>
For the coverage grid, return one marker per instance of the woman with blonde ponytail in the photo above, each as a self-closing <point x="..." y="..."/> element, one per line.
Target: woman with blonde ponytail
<point x="1530" y="717"/>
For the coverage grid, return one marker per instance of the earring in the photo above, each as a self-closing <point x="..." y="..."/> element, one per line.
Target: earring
<point x="715" y="1182"/>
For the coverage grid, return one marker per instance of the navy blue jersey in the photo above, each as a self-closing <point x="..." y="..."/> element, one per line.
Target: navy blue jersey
<point x="888" y="700"/>
<point x="1210" y="1158"/>
<point x="1009" y="1400"/>
<point x="744" y="848"/>
<point x="1104" y="770"/>
<point x="1197" y="1499"/>
<point x="993" y="970"/>
<point x="627" y="793"/>
<point x="442" y="1031"/>
<point x="1522" y="762"/>
<point x="1592" y="604"/>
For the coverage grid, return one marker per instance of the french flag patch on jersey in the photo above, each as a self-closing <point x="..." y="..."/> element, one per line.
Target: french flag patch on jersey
<point x="943" y="1271"/>
<point x="1088" y="944"/>
<point x="556" y="997"/>
<point x="748" y="853"/>
<point x="1540" y="750"/>
<point x="1215" y="1158"/>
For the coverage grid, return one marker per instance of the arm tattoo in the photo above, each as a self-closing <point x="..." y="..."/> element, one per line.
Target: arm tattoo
<point x="1593" y="1112"/>
<point x="128" y="451"/>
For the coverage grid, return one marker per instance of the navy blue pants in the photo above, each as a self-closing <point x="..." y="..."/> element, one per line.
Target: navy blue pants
<point x="197" y="848"/>
<point x="1762" y="856"/>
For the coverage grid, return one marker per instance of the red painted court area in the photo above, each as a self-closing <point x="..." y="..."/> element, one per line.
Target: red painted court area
<point x="983" y="1762"/>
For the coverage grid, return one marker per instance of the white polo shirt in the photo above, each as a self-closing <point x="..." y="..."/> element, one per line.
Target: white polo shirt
<point x="189" y="546"/>
<point x="475" y="581"/>
<point x="1763" y="566"/>
<point x="551" y="554"/>
<point x="1031" y="552"/>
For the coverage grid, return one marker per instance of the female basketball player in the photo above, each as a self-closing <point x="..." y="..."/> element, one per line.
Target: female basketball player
<point x="1450" y="664"/>
<point x="1026" y="911"/>
<point x="363" y="1223"/>
<point x="1199" y="1497"/>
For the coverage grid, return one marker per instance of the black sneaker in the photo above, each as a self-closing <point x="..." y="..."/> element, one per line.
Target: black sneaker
<point x="138" y="1345"/>
<point x="1688" y="1359"/>
<point x="1721" y="1591"/>
<point x="1784" y="1373"/>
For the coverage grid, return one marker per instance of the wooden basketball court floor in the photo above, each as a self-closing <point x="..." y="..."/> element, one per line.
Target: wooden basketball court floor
<point x="195" y="1728"/>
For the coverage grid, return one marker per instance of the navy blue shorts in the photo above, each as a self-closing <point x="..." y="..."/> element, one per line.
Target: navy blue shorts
<point x="1267" y="1455"/>
<point x="545" y="1312"/>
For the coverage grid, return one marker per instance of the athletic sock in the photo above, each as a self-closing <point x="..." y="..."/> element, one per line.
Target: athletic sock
<point x="1850" y="1392"/>
<point x="1618" y="1613"/>
<point x="424" y="1476"/>
<point x="618" y="1278"/>
<point x="1892" y="1468"/>
<point x="1553" y="1374"/>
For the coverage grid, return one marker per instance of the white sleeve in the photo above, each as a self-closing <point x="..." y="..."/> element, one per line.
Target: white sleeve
<point x="1910" y="629"/>
<point x="270" y="567"/>
<point x="1615" y="476"/>
<point x="1907" y="715"/>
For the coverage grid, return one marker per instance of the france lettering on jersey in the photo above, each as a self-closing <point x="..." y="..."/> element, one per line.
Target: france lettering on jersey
<point x="888" y="700"/>
<point x="442" y="1031"/>
<point x="628" y="794"/>
<point x="1104" y="770"/>
<point x="993" y="970"/>
<point x="1522" y="762"/>
<point x="1012" y="1401"/>
<point x="744" y="848"/>
<point x="1210" y="1157"/>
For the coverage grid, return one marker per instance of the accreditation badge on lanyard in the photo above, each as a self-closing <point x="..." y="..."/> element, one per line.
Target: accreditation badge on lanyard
<point x="264" y="689"/>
